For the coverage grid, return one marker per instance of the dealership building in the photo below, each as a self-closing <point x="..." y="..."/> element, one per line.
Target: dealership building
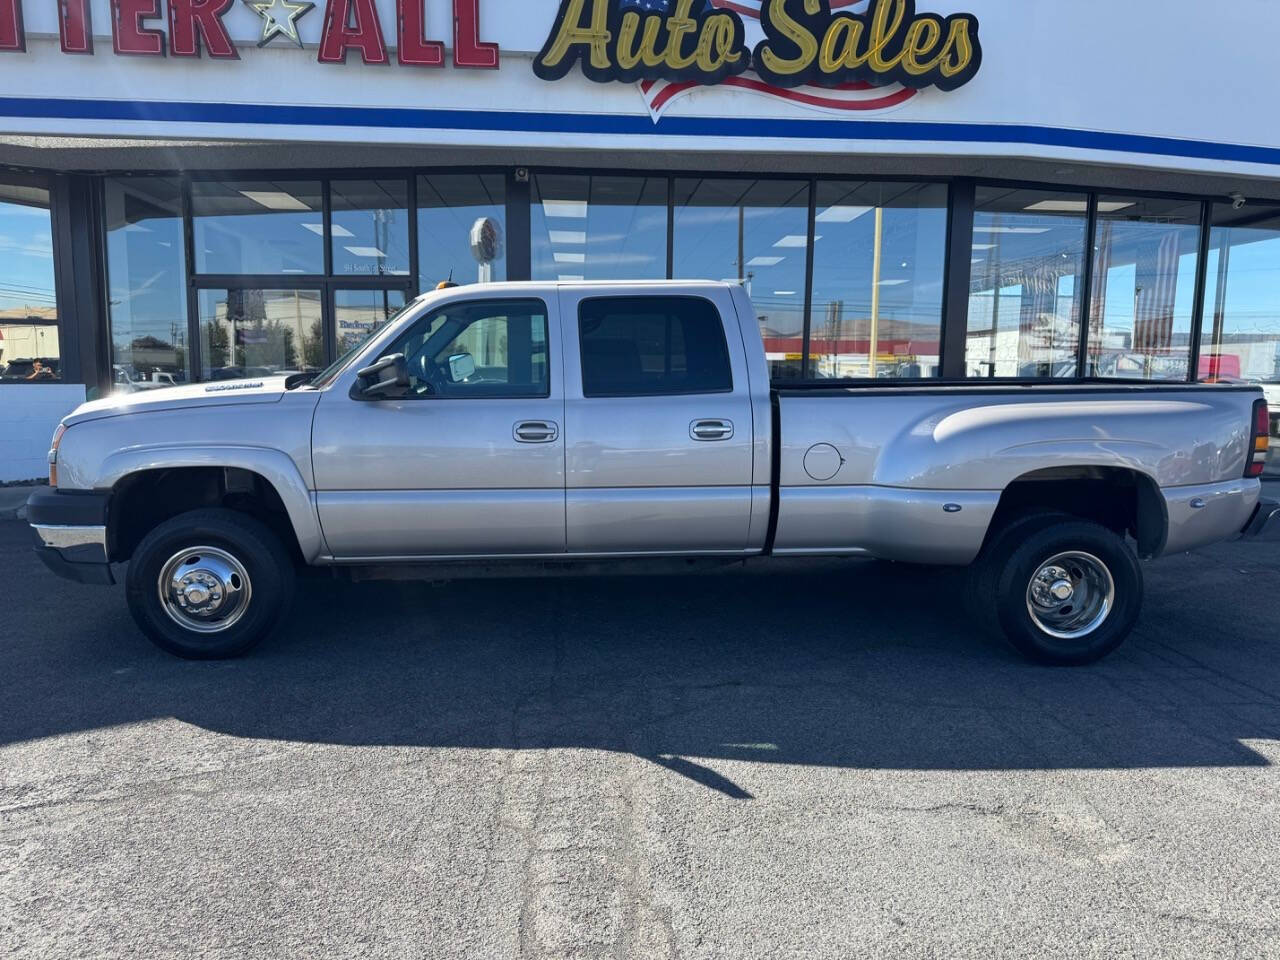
<point x="198" y="190"/>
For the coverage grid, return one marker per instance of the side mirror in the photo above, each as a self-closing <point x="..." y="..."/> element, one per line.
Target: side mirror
<point x="389" y="377"/>
<point x="461" y="366"/>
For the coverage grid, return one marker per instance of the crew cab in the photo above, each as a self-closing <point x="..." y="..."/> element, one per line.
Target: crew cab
<point x="563" y="426"/>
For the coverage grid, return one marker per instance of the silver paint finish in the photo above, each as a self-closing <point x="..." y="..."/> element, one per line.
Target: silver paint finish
<point x="908" y="525"/>
<point x="646" y="471"/>
<point x="1225" y="511"/>
<point x="362" y="524"/>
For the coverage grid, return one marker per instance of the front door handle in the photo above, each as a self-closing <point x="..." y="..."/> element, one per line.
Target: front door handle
<point x="711" y="429"/>
<point x="535" y="431"/>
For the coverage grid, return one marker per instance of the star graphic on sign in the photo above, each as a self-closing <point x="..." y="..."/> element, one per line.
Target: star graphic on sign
<point x="279" y="18"/>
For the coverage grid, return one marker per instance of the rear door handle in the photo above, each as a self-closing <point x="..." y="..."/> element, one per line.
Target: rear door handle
<point x="711" y="429"/>
<point x="535" y="431"/>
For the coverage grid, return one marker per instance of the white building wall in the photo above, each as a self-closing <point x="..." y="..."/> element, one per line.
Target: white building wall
<point x="29" y="413"/>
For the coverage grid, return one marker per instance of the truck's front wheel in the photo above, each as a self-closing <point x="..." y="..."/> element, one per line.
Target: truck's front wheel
<point x="1065" y="591"/>
<point x="209" y="584"/>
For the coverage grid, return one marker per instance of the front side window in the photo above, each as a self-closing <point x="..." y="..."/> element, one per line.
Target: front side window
<point x="650" y="346"/>
<point x="492" y="349"/>
<point x="1027" y="261"/>
<point x="1143" y="295"/>
<point x="29" y="350"/>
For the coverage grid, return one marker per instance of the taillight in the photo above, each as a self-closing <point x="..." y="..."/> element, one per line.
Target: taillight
<point x="1260" y="444"/>
<point x="53" y="455"/>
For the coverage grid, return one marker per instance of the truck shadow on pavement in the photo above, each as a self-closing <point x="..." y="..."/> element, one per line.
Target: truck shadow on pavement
<point x="868" y="666"/>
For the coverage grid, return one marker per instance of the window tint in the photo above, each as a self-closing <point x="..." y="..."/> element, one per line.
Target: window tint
<point x="642" y="346"/>
<point x="493" y="349"/>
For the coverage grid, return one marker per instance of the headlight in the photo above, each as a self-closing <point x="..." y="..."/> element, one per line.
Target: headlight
<point x="53" y="455"/>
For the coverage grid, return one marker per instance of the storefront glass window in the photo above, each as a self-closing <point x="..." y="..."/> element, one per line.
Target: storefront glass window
<point x="1144" y="279"/>
<point x="359" y="313"/>
<point x="1241" y="339"/>
<point x="370" y="227"/>
<point x="878" y="256"/>
<point x="450" y="207"/>
<point x="258" y="227"/>
<point x="29" y="349"/>
<point x="1026" y="263"/>
<point x="259" y="333"/>
<point x="148" y="287"/>
<point x="599" y="228"/>
<point x="753" y="232"/>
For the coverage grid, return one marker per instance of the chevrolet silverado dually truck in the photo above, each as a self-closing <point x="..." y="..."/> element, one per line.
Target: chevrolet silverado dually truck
<point x="540" y="427"/>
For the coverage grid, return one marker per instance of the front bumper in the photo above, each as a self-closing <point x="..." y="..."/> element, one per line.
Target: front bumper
<point x="71" y="533"/>
<point x="1265" y="522"/>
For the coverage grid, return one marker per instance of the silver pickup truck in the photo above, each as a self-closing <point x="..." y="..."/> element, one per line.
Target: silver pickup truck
<point x="543" y="426"/>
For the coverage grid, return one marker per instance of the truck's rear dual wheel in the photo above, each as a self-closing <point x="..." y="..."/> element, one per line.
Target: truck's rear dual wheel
<point x="1063" y="591"/>
<point x="209" y="584"/>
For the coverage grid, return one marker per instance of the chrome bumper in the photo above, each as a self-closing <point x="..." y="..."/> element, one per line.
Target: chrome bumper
<point x="1265" y="522"/>
<point x="76" y="544"/>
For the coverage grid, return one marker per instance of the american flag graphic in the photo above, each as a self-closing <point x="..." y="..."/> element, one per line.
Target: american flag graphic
<point x="857" y="96"/>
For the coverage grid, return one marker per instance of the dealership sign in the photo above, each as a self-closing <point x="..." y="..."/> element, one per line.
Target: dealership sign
<point x="830" y="55"/>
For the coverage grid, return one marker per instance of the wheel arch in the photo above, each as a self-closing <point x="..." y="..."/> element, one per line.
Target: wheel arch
<point x="249" y="478"/>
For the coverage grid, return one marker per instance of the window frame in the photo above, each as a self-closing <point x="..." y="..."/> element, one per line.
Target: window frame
<point x="724" y="340"/>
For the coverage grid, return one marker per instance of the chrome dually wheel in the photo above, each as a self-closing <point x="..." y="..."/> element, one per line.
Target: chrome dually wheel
<point x="1071" y="595"/>
<point x="205" y="589"/>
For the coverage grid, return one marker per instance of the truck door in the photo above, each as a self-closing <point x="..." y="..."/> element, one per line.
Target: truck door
<point x="471" y="461"/>
<point x="658" y="424"/>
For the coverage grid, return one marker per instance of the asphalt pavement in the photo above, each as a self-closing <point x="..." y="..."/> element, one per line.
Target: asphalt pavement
<point x="824" y="763"/>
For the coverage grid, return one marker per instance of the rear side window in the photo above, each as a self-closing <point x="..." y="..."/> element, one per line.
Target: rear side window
<point x="647" y="346"/>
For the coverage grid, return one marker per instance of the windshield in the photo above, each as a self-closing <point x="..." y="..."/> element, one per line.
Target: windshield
<point x="330" y="373"/>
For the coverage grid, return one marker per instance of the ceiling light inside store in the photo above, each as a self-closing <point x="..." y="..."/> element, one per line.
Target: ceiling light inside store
<point x="569" y="257"/>
<point x="892" y="283"/>
<point x="765" y="261"/>
<point x="839" y="214"/>
<point x="275" y="199"/>
<point x="784" y="293"/>
<point x="576" y="209"/>
<point x="318" y="230"/>
<point x="1076" y="206"/>
<point x="1010" y="229"/>
<point x="364" y="251"/>
<point x="985" y="246"/>
<point x="795" y="240"/>
<point x="570" y="277"/>
<point x="568" y="236"/>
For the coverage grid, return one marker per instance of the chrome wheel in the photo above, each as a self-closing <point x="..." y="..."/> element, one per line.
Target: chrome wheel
<point x="1071" y="595"/>
<point x="204" y="589"/>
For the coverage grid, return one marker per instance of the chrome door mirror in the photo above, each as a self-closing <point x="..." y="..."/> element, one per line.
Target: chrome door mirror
<point x="461" y="366"/>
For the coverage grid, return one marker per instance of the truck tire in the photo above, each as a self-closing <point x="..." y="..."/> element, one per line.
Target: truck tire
<point x="209" y="584"/>
<point x="1064" y="591"/>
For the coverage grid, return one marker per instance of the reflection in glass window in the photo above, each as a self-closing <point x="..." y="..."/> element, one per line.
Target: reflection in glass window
<point x="259" y="333"/>
<point x="258" y="226"/>
<point x="753" y="232"/>
<point x="452" y="207"/>
<point x="1143" y="288"/>
<point x="599" y="228"/>
<point x="1241" y="339"/>
<point x="148" y="286"/>
<point x="359" y="313"/>
<point x="878" y="257"/>
<point x="29" y="349"/>
<point x="370" y="227"/>
<point x="1027" y="259"/>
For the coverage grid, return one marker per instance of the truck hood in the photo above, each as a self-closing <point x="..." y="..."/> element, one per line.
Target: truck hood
<point x="220" y="393"/>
